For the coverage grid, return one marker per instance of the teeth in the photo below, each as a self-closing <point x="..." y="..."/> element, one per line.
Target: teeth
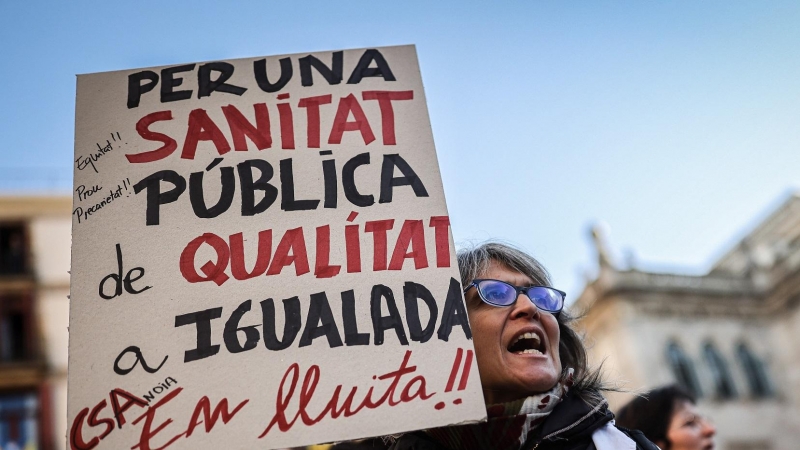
<point x="528" y="335"/>
<point x="531" y="351"/>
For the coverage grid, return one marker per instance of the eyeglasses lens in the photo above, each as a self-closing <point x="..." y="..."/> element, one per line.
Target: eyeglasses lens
<point x="497" y="292"/>
<point x="546" y="299"/>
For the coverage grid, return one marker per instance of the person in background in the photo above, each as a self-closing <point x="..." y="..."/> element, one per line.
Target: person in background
<point x="539" y="391"/>
<point x="668" y="417"/>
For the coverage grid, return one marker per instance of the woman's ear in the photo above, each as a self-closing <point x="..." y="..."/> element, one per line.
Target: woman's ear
<point x="661" y="444"/>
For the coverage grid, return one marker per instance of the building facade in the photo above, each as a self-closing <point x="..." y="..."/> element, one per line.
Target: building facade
<point x="34" y="316"/>
<point x="730" y="335"/>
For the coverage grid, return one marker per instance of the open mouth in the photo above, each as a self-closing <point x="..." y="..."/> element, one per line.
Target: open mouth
<point x="527" y="343"/>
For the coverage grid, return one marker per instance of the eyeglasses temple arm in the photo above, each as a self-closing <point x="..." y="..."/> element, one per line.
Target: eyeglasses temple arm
<point x="467" y="288"/>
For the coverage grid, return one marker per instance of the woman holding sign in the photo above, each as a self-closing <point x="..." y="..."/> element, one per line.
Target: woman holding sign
<point x="539" y="391"/>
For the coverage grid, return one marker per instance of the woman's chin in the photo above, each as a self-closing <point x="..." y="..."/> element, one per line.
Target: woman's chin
<point x="534" y="373"/>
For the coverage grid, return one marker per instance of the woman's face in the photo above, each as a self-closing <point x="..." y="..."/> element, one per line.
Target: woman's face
<point x="688" y="430"/>
<point x="510" y="373"/>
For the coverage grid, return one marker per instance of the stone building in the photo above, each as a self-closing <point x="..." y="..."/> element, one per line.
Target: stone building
<point x="34" y="315"/>
<point x="730" y="335"/>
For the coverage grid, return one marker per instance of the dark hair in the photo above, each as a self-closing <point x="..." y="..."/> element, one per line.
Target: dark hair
<point x="472" y="262"/>
<point x="652" y="412"/>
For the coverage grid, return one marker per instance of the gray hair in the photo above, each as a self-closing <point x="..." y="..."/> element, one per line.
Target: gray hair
<point x="475" y="261"/>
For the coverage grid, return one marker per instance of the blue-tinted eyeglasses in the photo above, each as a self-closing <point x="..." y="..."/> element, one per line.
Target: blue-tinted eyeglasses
<point x="499" y="293"/>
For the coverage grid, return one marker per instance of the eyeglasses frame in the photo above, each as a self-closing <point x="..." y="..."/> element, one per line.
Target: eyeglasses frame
<point x="519" y="289"/>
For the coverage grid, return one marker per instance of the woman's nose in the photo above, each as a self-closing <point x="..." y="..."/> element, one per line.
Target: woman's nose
<point x="524" y="307"/>
<point x="708" y="428"/>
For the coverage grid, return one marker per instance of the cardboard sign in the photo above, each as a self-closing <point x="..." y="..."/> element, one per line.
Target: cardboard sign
<point x="262" y="258"/>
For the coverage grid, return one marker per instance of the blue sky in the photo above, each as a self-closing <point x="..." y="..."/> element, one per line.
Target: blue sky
<point x="676" y="123"/>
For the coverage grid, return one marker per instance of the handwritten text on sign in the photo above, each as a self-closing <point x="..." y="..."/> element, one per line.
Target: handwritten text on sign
<point x="262" y="257"/>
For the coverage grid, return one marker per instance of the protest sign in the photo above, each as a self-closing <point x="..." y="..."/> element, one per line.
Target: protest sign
<point x="262" y="258"/>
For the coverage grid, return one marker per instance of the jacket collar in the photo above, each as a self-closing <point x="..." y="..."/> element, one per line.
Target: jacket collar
<point x="573" y="418"/>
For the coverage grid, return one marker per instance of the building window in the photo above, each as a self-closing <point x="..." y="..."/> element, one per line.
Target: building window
<point x="16" y="332"/>
<point x="756" y="373"/>
<point x="683" y="369"/>
<point x="723" y="383"/>
<point x="19" y="427"/>
<point x="12" y="250"/>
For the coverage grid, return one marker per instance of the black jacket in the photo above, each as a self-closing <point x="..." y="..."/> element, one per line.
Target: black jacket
<point x="568" y="427"/>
